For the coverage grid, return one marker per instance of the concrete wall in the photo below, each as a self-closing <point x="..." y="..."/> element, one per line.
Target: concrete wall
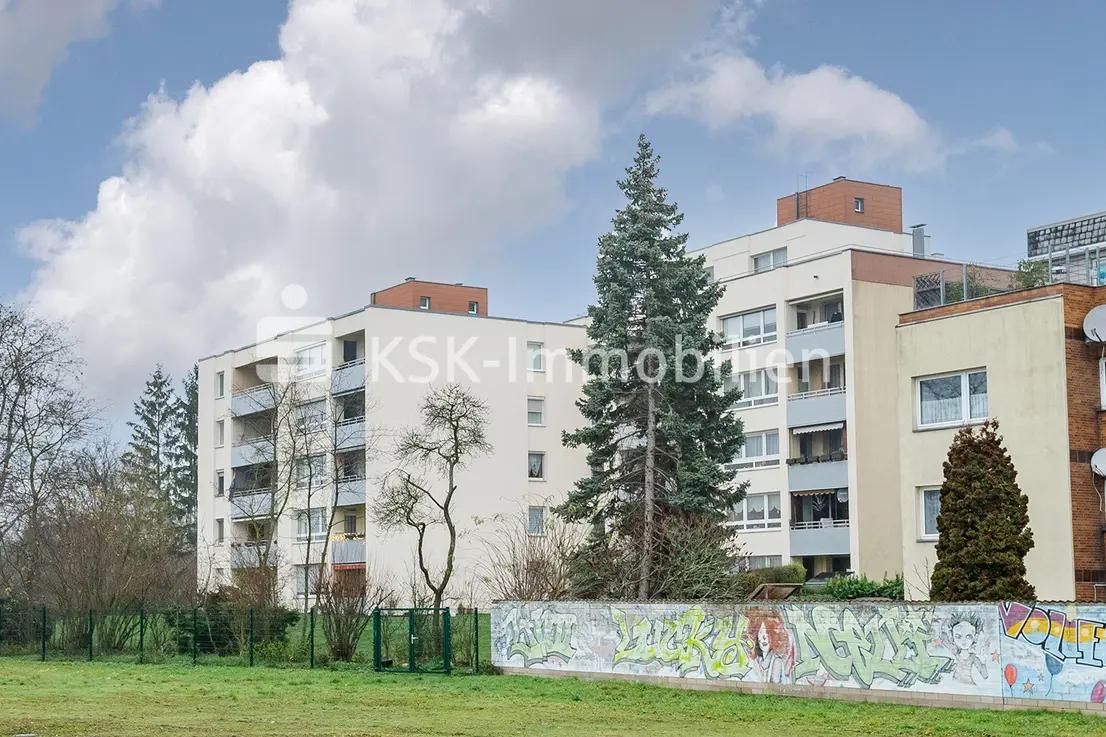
<point x="1022" y="347"/>
<point x="949" y="654"/>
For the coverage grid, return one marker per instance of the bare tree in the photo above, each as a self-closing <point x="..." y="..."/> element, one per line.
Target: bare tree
<point x="420" y="492"/>
<point x="523" y="562"/>
<point x="345" y="603"/>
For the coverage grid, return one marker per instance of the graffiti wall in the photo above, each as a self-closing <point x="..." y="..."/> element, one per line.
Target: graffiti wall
<point x="1007" y="650"/>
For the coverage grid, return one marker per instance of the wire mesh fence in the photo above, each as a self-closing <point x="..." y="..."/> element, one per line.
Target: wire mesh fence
<point x="407" y="640"/>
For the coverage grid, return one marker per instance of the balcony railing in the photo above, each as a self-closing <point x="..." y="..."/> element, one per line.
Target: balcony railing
<point x="831" y="457"/>
<point x="816" y="393"/>
<point x="348" y="549"/>
<point x="822" y="537"/>
<point x="819" y="524"/>
<point x="348" y="376"/>
<point x="821" y="340"/>
<point x="251" y="451"/>
<point x="818" y="407"/>
<point x="255" y="399"/>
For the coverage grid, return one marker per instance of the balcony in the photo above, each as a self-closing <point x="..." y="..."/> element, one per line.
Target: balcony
<point x="819" y="407"/>
<point x="250" y="451"/>
<point x="347" y="550"/>
<point x="348" y="377"/>
<point x="250" y="401"/>
<point x="250" y="554"/>
<point x="351" y="492"/>
<point x="350" y="433"/>
<point x="821" y="472"/>
<point x="825" y="339"/>
<point x="251" y="504"/>
<point x="822" y="537"/>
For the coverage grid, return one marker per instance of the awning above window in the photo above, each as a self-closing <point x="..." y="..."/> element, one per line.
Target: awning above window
<point x="818" y="428"/>
<point x="819" y="492"/>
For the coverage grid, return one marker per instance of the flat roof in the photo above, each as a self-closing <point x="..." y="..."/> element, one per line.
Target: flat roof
<point x="1067" y="222"/>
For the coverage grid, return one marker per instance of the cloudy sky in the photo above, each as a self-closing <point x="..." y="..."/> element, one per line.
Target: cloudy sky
<point x="170" y="166"/>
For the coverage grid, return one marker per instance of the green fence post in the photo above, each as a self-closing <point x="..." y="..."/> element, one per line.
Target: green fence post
<point x="43" y="634"/>
<point x="412" y="625"/>
<point x="378" y="662"/>
<point x="90" y="634"/>
<point x="447" y="643"/>
<point x="141" y="634"/>
<point x="251" y="637"/>
<point x="195" y="629"/>
<point x="311" y="640"/>
<point x="475" y="640"/>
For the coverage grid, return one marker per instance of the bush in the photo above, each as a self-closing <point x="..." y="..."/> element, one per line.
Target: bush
<point x="749" y="580"/>
<point x="862" y="587"/>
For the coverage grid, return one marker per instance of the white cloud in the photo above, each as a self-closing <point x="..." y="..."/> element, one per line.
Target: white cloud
<point x="389" y="138"/>
<point x="35" y="36"/>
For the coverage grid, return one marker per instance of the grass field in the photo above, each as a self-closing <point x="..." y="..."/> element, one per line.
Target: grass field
<point x="165" y="700"/>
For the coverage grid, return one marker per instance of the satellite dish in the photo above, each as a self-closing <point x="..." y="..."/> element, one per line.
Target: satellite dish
<point x="1098" y="462"/>
<point x="1094" y="324"/>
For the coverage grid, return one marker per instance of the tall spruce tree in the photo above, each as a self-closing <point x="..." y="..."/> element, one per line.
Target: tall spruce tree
<point x="657" y="443"/>
<point x="182" y="458"/>
<point x="983" y="525"/>
<point x="148" y="460"/>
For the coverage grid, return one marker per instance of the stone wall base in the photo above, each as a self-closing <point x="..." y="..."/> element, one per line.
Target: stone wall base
<point x="874" y="695"/>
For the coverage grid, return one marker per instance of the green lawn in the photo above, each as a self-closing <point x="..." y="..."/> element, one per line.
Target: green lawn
<point x="164" y="700"/>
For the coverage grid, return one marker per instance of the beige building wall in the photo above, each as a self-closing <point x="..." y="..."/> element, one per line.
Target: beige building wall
<point x="1022" y="347"/>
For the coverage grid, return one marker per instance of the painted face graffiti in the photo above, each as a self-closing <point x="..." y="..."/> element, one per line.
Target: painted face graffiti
<point x="771" y="652"/>
<point x="539" y="634"/>
<point x="692" y="640"/>
<point x="964" y="632"/>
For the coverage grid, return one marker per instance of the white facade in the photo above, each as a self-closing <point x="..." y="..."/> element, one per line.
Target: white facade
<point x="397" y="356"/>
<point x="811" y="512"/>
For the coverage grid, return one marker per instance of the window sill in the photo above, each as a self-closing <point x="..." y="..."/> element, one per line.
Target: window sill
<point x="927" y="540"/>
<point x="541" y="480"/>
<point x="950" y="425"/>
<point x="532" y="425"/>
<point x="742" y="408"/>
<point x="730" y="347"/>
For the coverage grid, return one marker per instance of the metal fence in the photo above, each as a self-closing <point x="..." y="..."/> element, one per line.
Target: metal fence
<point x="407" y="640"/>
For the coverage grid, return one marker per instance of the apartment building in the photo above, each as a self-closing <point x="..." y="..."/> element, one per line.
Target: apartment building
<point x="809" y="316"/>
<point x="365" y="373"/>
<point x="1020" y="357"/>
<point x="1073" y="249"/>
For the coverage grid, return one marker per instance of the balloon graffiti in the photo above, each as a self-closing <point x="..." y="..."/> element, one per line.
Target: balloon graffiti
<point x="1010" y="673"/>
<point x="1098" y="693"/>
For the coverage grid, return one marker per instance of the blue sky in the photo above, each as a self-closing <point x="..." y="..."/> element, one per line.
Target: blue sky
<point x="438" y="141"/>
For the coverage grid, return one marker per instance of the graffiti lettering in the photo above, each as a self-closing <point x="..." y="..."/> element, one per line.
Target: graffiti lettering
<point x="1059" y="636"/>
<point x="693" y="640"/>
<point x="891" y="643"/>
<point x="539" y="634"/>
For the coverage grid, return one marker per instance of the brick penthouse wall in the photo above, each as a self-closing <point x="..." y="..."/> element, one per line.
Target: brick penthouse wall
<point x="834" y="202"/>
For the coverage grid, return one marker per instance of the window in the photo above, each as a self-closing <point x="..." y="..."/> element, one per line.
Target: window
<point x="220" y="384"/>
<point x="349" y="351"/>
<point x="474" y="307"/>
<point x="858" y="204"/>
<point x="311" y="523"/>
<point x="220" y="434"/>
<point x="349" y="524"/>
<point x="710" y="272"/>
<point x="758" y="562"/>
<point x="535" y="411"/>
<point x="535" y="466"/>
<point x="424" y="302"/>
<point x="218" y="530"/>
<point x="311" y="415"/>
<point x="757" y="512"/>
<point x="929" y="506"/>
<point x="757" y="388"/>
<point x="310" y="360"/>
<point x="770" y="260"/>
<point x="952" y="399"/>
<point x="306" y="576"/>
<point x="535" y="356"/>
<point x="761" y="449"/>
<point x="220" y="483"/>
<point x="535" y="520"/>
<point x="311" y="471"/>
<point x="750" y="328"/>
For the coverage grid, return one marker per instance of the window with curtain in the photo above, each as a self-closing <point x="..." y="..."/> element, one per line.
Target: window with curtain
<point x="311" y="471"/>
<point x="535" y="411"/>
<point x="930" y="503"/>
<point x="952" y="399"/>
<point x="535" y="520"/>
<point x="535" y="466"/>
<point x="757" y="388"/>
<point x="758" y="512"/>
<point x="750" y="328"/>
<point x="761" y="449"/>
<point x="311" y="359"/>
<point x="311" y="523"/>
<point x="535" y="356"/>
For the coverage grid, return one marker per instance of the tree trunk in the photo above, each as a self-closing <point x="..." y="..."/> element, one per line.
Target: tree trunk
<point x="650" y="490"/>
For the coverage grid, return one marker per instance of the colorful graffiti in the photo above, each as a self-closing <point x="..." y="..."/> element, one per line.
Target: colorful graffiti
<point x="1010" y="650"/>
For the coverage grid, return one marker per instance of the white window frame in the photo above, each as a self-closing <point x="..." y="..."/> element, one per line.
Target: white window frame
<point x="424" y="302"/>
<point x="540" y="412"/>
<point x="765" y="525"/>
<point x="765" y="460"/>
<point x="924" y="536"/>
<point x="312" y="581"/>
<point x="304" y="368"/>
<point x="221" y="474"/>
<point x="474" y="308"/>
<point x="319" y="477"/>
<point x="858" y="205"/>
<point x="763" y="561"/>
<point x="220" y="433"/>
<point x="965" y="399"/>
<point x="544" y="469"/>
<point x="220" y="531"/>
<point x="740" y="341"/>
<point x="220" y="384"/>
<point x="762" y="400"/>
<point x="539" y="530"/>
<point x="534" y="349"/>
<point x="316" y="523"/>
<point x="777" y="257"/>
<point x="313" y="420"/>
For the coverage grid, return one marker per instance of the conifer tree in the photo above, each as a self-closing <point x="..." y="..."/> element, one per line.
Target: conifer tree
<point x="656" y="441"/>
<point x="983" y="525"/>
<point x="154" y="434"/>
<point x="182" y="459"/>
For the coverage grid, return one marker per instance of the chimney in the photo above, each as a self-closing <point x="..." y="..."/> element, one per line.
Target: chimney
<point x="918" y="233"/>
